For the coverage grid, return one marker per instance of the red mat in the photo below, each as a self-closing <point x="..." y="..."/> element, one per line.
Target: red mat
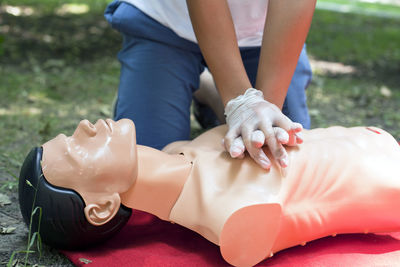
<point x="148" y="241"/>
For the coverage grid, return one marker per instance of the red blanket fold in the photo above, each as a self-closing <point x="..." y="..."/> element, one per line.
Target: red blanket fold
<point x="148" y="241"/>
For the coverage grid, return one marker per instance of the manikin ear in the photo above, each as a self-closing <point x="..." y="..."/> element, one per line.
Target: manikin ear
<point x="103" y="210"/>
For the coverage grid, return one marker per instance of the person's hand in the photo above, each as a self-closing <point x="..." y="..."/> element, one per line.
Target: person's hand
<point x="254" y="122"/>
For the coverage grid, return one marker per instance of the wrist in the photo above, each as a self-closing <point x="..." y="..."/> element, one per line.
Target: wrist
<point x="238" y="105"/>
<point x="231" y="88"/>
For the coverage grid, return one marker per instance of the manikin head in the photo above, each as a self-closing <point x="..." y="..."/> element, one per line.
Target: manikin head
<point x="77" y="181"/>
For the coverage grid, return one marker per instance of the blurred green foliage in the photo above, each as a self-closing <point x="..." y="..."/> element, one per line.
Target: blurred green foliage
<point x="383" y="6"/>
<point x="370" y="43"/>
<point x="1" y="45"/>
<point x="49" y="6"/>
<point x="46" y="34"/>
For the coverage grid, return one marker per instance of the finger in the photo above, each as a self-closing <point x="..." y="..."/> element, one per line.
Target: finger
<point x="292" y="138"/>
<point x="237" y="148"/>
<point x="246" y="133"/>
<point x="276" y="148"/>
<point x="230" y="136"/>
<point x="257" y="154"/>
<point x="299" y="138"/>
<point x="282" y="121"/>
<point x="297" y="127"/>
<point x="295" y="136"/>
<point x="291" y="127"/>
<point x="241" y="156"/>
<point x="257" y="139"/>
<point x="281" y="135"/>
<point x="279" y="153"/>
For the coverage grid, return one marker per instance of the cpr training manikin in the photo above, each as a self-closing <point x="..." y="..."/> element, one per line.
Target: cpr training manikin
<point x="340" y="180"/>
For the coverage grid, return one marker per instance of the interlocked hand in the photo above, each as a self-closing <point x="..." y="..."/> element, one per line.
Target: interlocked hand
<point x="254" y="122"/>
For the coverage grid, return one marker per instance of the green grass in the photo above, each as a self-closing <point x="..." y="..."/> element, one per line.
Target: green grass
<point x="369" y="43"/>
<point x="49" y="6"/>
<point x="60" y="40"/>
<point x="353" y="102"/>
<point x="391" y="8"/>
<point x="37" y="105"/>
<point x="40" y="102"/>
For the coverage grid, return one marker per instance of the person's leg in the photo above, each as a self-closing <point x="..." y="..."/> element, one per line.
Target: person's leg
<point x="159" y="71"/>
<point x="295" y="106"/>
<point x="155" y="90"/>
<point x="208" y="108"/>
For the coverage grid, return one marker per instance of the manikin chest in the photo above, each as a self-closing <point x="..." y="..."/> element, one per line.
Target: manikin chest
<point x="252" y="213"/>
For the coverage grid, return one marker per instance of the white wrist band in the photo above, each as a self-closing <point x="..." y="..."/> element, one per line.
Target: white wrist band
<point x="240" y="103"/>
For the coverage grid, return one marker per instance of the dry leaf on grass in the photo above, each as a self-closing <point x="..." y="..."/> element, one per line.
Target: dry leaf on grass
<point x="7" y="230"/>
<point x="4" y="200"/>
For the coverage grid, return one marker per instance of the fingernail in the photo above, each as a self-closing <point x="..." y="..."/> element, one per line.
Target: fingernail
<point x="283" y="139"/>
<point x="235" y="151"/>
<point x="237" y="155"/>
<point x="265" y="164"/>
<point x="298" y="127"/>
<point x="258" y="144"/>
<point x="284" y="162"/>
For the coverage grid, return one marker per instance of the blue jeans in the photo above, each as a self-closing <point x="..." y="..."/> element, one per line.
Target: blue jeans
<point x="160" y="72"/>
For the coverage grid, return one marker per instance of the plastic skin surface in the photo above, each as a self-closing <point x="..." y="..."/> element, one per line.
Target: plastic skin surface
<point x="102" y="163"/>
<point x="98" y="161"/>
<point x="340" y="180"/>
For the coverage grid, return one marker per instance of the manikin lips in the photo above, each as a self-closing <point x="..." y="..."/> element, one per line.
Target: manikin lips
<point x="109" y="124"/>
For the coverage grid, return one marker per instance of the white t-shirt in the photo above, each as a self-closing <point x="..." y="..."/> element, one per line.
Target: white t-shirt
<point x="248" y="17"/>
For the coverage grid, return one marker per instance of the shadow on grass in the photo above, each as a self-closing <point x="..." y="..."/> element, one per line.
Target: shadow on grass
<point x="41" y="37"/>
<point x="367" y="42"/>
<point x="371" y="44"/>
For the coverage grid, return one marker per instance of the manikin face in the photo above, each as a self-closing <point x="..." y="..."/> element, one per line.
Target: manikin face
<point x="97" y="161"/>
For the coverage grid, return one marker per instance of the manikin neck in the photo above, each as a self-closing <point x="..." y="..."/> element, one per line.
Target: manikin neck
<point x="159" y="182"/>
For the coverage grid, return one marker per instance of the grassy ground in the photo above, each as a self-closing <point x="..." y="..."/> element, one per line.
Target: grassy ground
<point x="57" y="68"/>
<point x="369" y="93"/>
<point x="380" y="8"/>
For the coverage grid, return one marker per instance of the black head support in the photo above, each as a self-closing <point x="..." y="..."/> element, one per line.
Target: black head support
<point x="62" y="223"/>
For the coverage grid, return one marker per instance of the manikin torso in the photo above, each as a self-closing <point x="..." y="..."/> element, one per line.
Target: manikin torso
<point x="243" y="208"/>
